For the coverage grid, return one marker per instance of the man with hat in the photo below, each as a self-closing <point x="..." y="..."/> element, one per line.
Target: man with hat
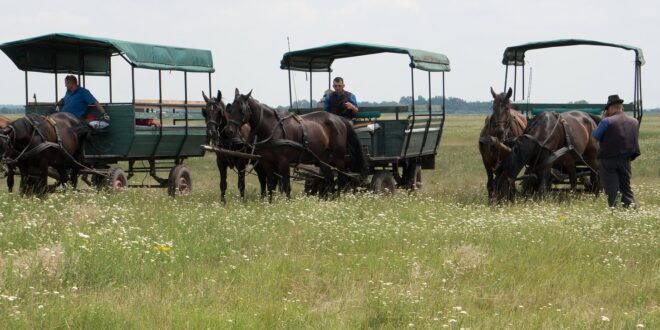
<point x="619" y="145"/>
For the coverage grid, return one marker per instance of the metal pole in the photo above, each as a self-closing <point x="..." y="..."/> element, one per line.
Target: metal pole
<point x="412" y="122"/>
<point x="523" y="80"/>
<point x="412" y="79"/>
<point x="290" y="95"/>
<point x="428" y="120"/>
<point x="210" y="85"/>
<point x="185" y="98"/>
<point x="429" y="72"/>
<point x="27" y="98"/>
<point x="329" y="79"/>
<point x="310" y="87"/>
<point x="515" y="75"/>
<point x="506" y="76"/>
<point x="110" y="77"/>
<point x="83" y="70"/>
<point x="133" y="82"/>
<point x="56" y="87"/>
<point x="641" y="107"/>
<point x="160" y="88"/>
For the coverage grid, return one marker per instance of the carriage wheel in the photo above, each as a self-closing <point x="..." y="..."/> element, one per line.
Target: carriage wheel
<point x="179" y="181"/>
<point x="116" y="179"/>
<point x="417" y="178"/>
<point x="383" y="183"/>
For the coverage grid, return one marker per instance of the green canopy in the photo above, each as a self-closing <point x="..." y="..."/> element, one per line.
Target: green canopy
<point x="516" y="55"/>
<point x="70" y="53"/>
<point x="320" y="59"/>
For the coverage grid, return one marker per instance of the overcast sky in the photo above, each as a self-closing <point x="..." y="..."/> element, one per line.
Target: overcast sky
<point x="248" y="39"/>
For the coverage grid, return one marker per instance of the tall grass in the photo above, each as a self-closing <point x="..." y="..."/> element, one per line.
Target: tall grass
<point x="434" y="258"/>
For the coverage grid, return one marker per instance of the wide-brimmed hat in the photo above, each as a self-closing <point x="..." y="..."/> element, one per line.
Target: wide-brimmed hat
<point x="613" y="99"/>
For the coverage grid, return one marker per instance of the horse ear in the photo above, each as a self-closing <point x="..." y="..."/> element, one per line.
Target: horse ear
<point x="237" y="93"/>
<point x="219" y="96"/>
<point x="206" y="98"/>
<point x="492" y="92"/>
<point x="509" y="93"/>
<point x="248" y="95"/>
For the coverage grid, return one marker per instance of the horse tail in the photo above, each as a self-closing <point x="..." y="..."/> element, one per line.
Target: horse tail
<point x="358" y="162"/>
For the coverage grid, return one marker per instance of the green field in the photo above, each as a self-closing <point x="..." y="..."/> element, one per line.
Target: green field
<point x="435" y="258"/>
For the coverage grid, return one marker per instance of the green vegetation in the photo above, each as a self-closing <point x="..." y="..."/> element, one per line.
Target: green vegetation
<point x="434" y="258"/>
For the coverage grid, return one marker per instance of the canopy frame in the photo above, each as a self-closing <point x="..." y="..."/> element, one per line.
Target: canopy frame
<point x="320" y="59"/>
<point x="92" y="56"/>
<point x="515" y="56"/>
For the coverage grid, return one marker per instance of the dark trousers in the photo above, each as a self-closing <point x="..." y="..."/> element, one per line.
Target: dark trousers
<point x="615" y="176"/>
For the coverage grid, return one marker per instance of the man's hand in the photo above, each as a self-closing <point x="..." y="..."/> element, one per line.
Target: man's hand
<point x="351" y="106"/>
<point x="106" y="116"/>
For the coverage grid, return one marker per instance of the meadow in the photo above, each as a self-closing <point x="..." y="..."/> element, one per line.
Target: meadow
<point x="435" y="258"/>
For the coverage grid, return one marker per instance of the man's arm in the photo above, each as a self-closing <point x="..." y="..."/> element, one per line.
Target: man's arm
<point x="352" y="103"/>
<point x="600" y="130"/>
<point x="91" y="100"/>
<point x="60" y="103"/>
<point x="326" y="103"/>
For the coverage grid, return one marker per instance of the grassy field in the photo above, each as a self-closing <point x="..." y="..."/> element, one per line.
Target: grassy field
<point x="436" y="258"/>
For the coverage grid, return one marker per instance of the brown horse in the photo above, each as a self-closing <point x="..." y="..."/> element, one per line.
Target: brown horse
<point x="9" y="170"/>
<point x="502" y="125"/>
<point x="284" y="139"/>
<point x="550" y="141"/>
<point x="40" y="142"/>
<point x="215" y="117"/>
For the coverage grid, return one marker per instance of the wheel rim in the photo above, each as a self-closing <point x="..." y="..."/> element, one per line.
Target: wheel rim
<point x="118" y="183"/>
<point x="182" y="185"/>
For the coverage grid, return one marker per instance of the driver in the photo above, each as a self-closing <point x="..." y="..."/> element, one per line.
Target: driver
<point x="340" y="102"/>
<point x="76" y="100"/>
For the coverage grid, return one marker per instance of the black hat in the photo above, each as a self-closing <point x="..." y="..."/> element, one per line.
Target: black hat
<point x="613" y="99"/>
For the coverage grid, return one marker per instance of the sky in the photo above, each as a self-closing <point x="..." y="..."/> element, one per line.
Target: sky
<point x="248" y="38"/>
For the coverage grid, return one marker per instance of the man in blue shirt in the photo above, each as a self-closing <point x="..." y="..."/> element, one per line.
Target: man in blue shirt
<point x="77" y="99"/>
<point x="340" y="102"/>
<point x="619" y="145"/>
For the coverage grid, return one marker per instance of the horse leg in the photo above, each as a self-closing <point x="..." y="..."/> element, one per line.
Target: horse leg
<point x="222" y="167"/>
<point x="25" y="177"/>
<point x="543" y="183"/>
<point x="241" y="179"/>
<point x="490" y="184"/>
<point x="272" y="184"/>
<point x="42" y="187"/>
<point x="261" y="174"/>
<point x="572" y="177"/>
<point x="329" y="178"/>
<point x="285" y="183"/>
<point x="10" y="178"/>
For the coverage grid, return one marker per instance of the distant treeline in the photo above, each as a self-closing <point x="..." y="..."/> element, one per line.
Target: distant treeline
<point x="453" y="105"/>
<point x="11" y="109"/>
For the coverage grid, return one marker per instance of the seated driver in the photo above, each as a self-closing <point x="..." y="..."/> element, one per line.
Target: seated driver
<point x="340" y="102"/>
<point x="77" y="99"/>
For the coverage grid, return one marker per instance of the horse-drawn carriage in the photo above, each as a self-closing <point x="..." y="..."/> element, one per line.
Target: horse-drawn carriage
<point x="398" y="141"/>
<point x="570" y="145"/>
<point x="133" y="136"/>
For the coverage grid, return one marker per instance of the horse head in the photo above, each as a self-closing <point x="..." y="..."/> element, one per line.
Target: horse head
<point x="500" y="120"/>
<point x="240" y="114"/>
<point x="214" y="113"/>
